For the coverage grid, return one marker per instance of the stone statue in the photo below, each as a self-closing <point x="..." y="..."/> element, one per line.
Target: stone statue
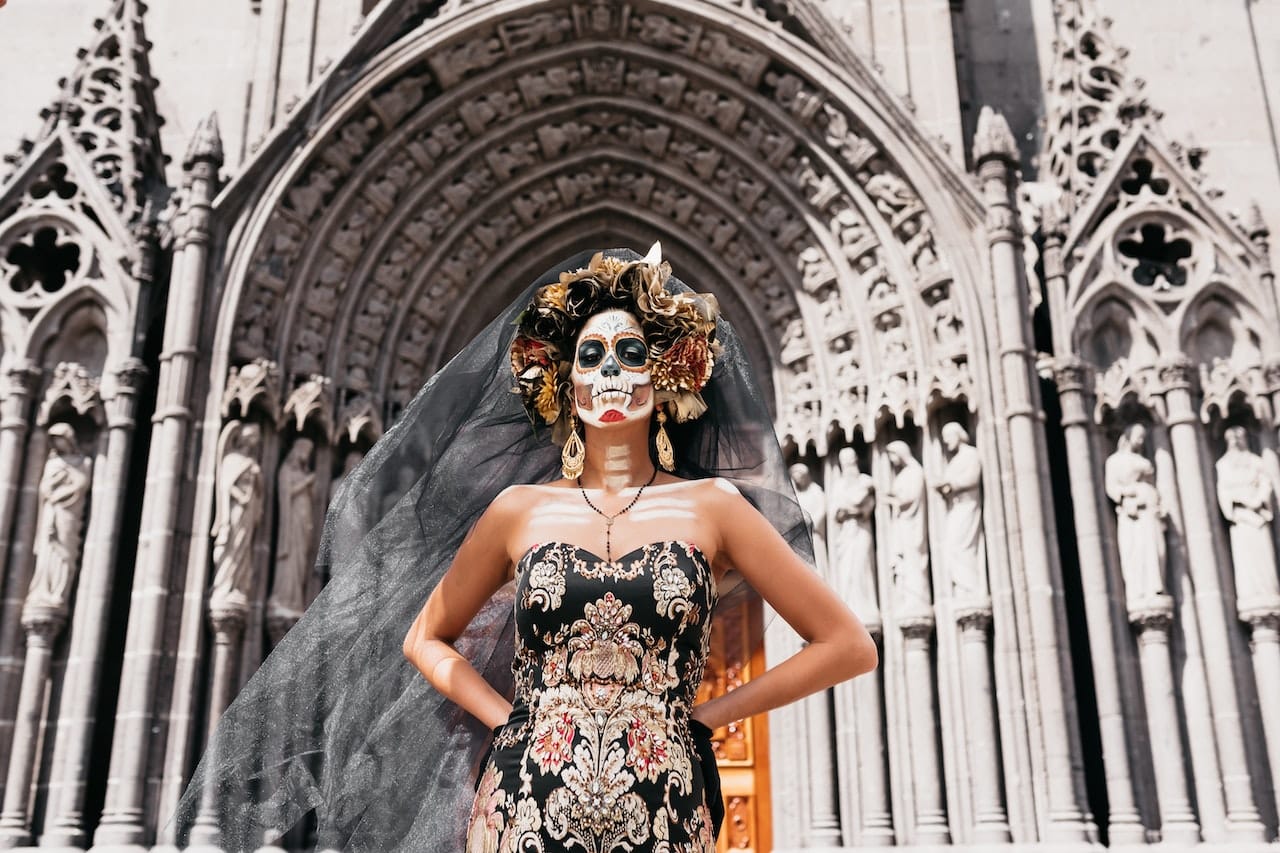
<point x="853" y="552"/>
<point x="349" y="462"/>
<point x="238" y="495"/>
<point x="64" y="489"/>
<point x="963" y="545"/>
<point x="908" y="536"/>
<point x="295" y="494"/>
<point x="814" y="502"/>
<point x="1131" y="485"/>
<point x="1246" y="495"/>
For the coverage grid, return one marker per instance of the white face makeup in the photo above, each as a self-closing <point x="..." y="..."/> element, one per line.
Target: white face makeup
<point x="611" y="381"/>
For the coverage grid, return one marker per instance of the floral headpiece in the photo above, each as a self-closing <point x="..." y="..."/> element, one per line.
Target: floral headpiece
<point x="678" y="327"/>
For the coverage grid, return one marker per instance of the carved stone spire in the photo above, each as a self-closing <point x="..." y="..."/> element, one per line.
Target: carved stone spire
<point x="107" y="106"/>
<point x="206" y="144"/>
<point x="1091" y="102"/>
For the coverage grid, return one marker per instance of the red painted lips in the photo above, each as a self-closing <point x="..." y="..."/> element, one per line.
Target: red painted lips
<point x="612" y="415"/>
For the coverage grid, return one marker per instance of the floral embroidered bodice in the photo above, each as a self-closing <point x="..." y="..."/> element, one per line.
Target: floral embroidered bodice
<point x="598" y="754"/>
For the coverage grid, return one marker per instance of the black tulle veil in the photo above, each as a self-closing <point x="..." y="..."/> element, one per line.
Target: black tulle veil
<point x="336" y="721"/>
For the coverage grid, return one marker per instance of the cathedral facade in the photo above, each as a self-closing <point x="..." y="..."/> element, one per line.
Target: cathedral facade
<point x="1014" y="308"/>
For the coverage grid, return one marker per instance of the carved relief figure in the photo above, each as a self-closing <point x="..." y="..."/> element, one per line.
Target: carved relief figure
<point x="64" y="488"/>
<point x="1246" y="495"/>
<point x="349" y="463"/>
<point x="814" y="502"/>
<point x="853" y="553"/>
<point x="238" y="496"/>
<point x="908" y="537"/>
<point x="295" y="490"/>
<point x="1131" y="486"/>
<point x="961" y="486"/>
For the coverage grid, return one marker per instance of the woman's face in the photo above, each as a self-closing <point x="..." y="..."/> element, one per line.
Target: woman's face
<point x="611" y="382"/>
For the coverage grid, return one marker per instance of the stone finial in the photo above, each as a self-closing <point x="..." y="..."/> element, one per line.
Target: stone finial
<point x="205" y="145"/>
<point x="1256" y="227"/>
<point x="993" y="138"/>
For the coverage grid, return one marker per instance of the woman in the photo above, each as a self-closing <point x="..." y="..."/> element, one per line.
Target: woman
<point x="617" y="565"/>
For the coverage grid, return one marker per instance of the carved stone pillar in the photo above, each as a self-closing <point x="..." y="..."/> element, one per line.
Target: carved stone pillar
<point x="1102" y="613"/>
<point x="1264" y="627"/>
<point x="65" y="825"/>
<point x="123" y="813"/>
<point x="990" y="823"/>
<point x="996" y="157"/>
<point x="823" y="826"/>
<point x="1243" y="820"/>
<point x="228" y="628"/>
<point x="860" y="737"/>
<point x="926" y="760"/>
<point x="1153" y="624"/>
<point x="20" y="383"/>
<point x="42" y="628"/>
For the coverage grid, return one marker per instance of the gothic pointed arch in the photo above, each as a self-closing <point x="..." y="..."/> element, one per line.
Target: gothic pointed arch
<point x="464" y="146"/>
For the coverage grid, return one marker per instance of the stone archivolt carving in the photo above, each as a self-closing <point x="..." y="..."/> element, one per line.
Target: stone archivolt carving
<point x="1246" y="495"/>
<point x="438" y="125"/>
<point x="252" y="385"/>
<point x="1130" y="484"/>
<point x="311" y="402"/>
<point x="64" y="491"/>
<point x="238" y="496"/>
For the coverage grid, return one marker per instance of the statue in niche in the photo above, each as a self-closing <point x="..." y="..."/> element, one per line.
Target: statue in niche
<point x="238" y="496"/>
<point x="853" y="553"/>
<point x="349" y="462"/>
<point x="908" y="536"/>
<point x="814" y="502"/>
<point x="64" y="490"/>
<point x="1130" y="481"/>
<point x="961" y="487"/>
<point x="1246" y="495"/>
<point x="295" y="495"/>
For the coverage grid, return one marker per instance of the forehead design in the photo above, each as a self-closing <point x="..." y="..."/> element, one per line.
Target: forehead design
<point x="610" y="324"/>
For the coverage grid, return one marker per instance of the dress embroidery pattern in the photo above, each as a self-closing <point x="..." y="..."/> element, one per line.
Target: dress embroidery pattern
<point x="598" y="755"/>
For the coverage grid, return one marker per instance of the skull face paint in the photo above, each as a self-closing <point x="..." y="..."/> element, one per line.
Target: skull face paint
<point x="611" y="381"/>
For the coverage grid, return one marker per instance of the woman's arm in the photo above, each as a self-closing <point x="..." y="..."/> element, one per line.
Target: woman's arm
<point x="838" y="646"/>
<point x="481" y="567"/>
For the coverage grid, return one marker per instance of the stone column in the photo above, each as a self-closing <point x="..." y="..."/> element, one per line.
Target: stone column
<point x="823" y="826"/>
<point x="20" y="380"/>
<point x="1264" y="628"/>
<point x="861" y="738"/>
<point x="20" y="383"/>
<point x="65" y="825"/>
<point x="1243" y="820"/>
<point x="1153" y="624"/>
<point x="227" y="623"/>
<point x="1102" y="615"/>
<point x="926" y="760"/>
<point x="123" y="818"/>
<point x="996" y="157"/>
<point x="990" y="823"/>
<point x="42" y="628"/>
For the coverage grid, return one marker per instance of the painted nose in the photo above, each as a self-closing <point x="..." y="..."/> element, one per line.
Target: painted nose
<point x="610" y="366"/>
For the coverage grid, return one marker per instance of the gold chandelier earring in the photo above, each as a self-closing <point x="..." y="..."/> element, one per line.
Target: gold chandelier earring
<point x="666" y="454"/>
<point x="574" y="453"/>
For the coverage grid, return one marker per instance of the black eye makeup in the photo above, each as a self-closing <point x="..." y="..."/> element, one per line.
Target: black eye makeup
<point x="590" y="353"/>
<point x="631" y="351"/>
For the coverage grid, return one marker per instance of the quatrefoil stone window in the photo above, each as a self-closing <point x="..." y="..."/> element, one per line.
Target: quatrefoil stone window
<point x="1156" y="256"/>
<point x="46" y="259"/>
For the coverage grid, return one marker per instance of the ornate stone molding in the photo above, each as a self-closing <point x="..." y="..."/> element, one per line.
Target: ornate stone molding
<point x="73" y="387"/>
<point x="254" y="384"/>
<point x="1155" y="614"/>
<point x="311" y="402"/>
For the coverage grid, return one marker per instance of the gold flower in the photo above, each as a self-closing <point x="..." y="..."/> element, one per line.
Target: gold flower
<point x="548" y="401"/>
<point x="684" y="366"/>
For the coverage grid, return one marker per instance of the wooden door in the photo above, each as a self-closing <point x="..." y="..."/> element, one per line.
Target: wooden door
<point x="742" y="748"/>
